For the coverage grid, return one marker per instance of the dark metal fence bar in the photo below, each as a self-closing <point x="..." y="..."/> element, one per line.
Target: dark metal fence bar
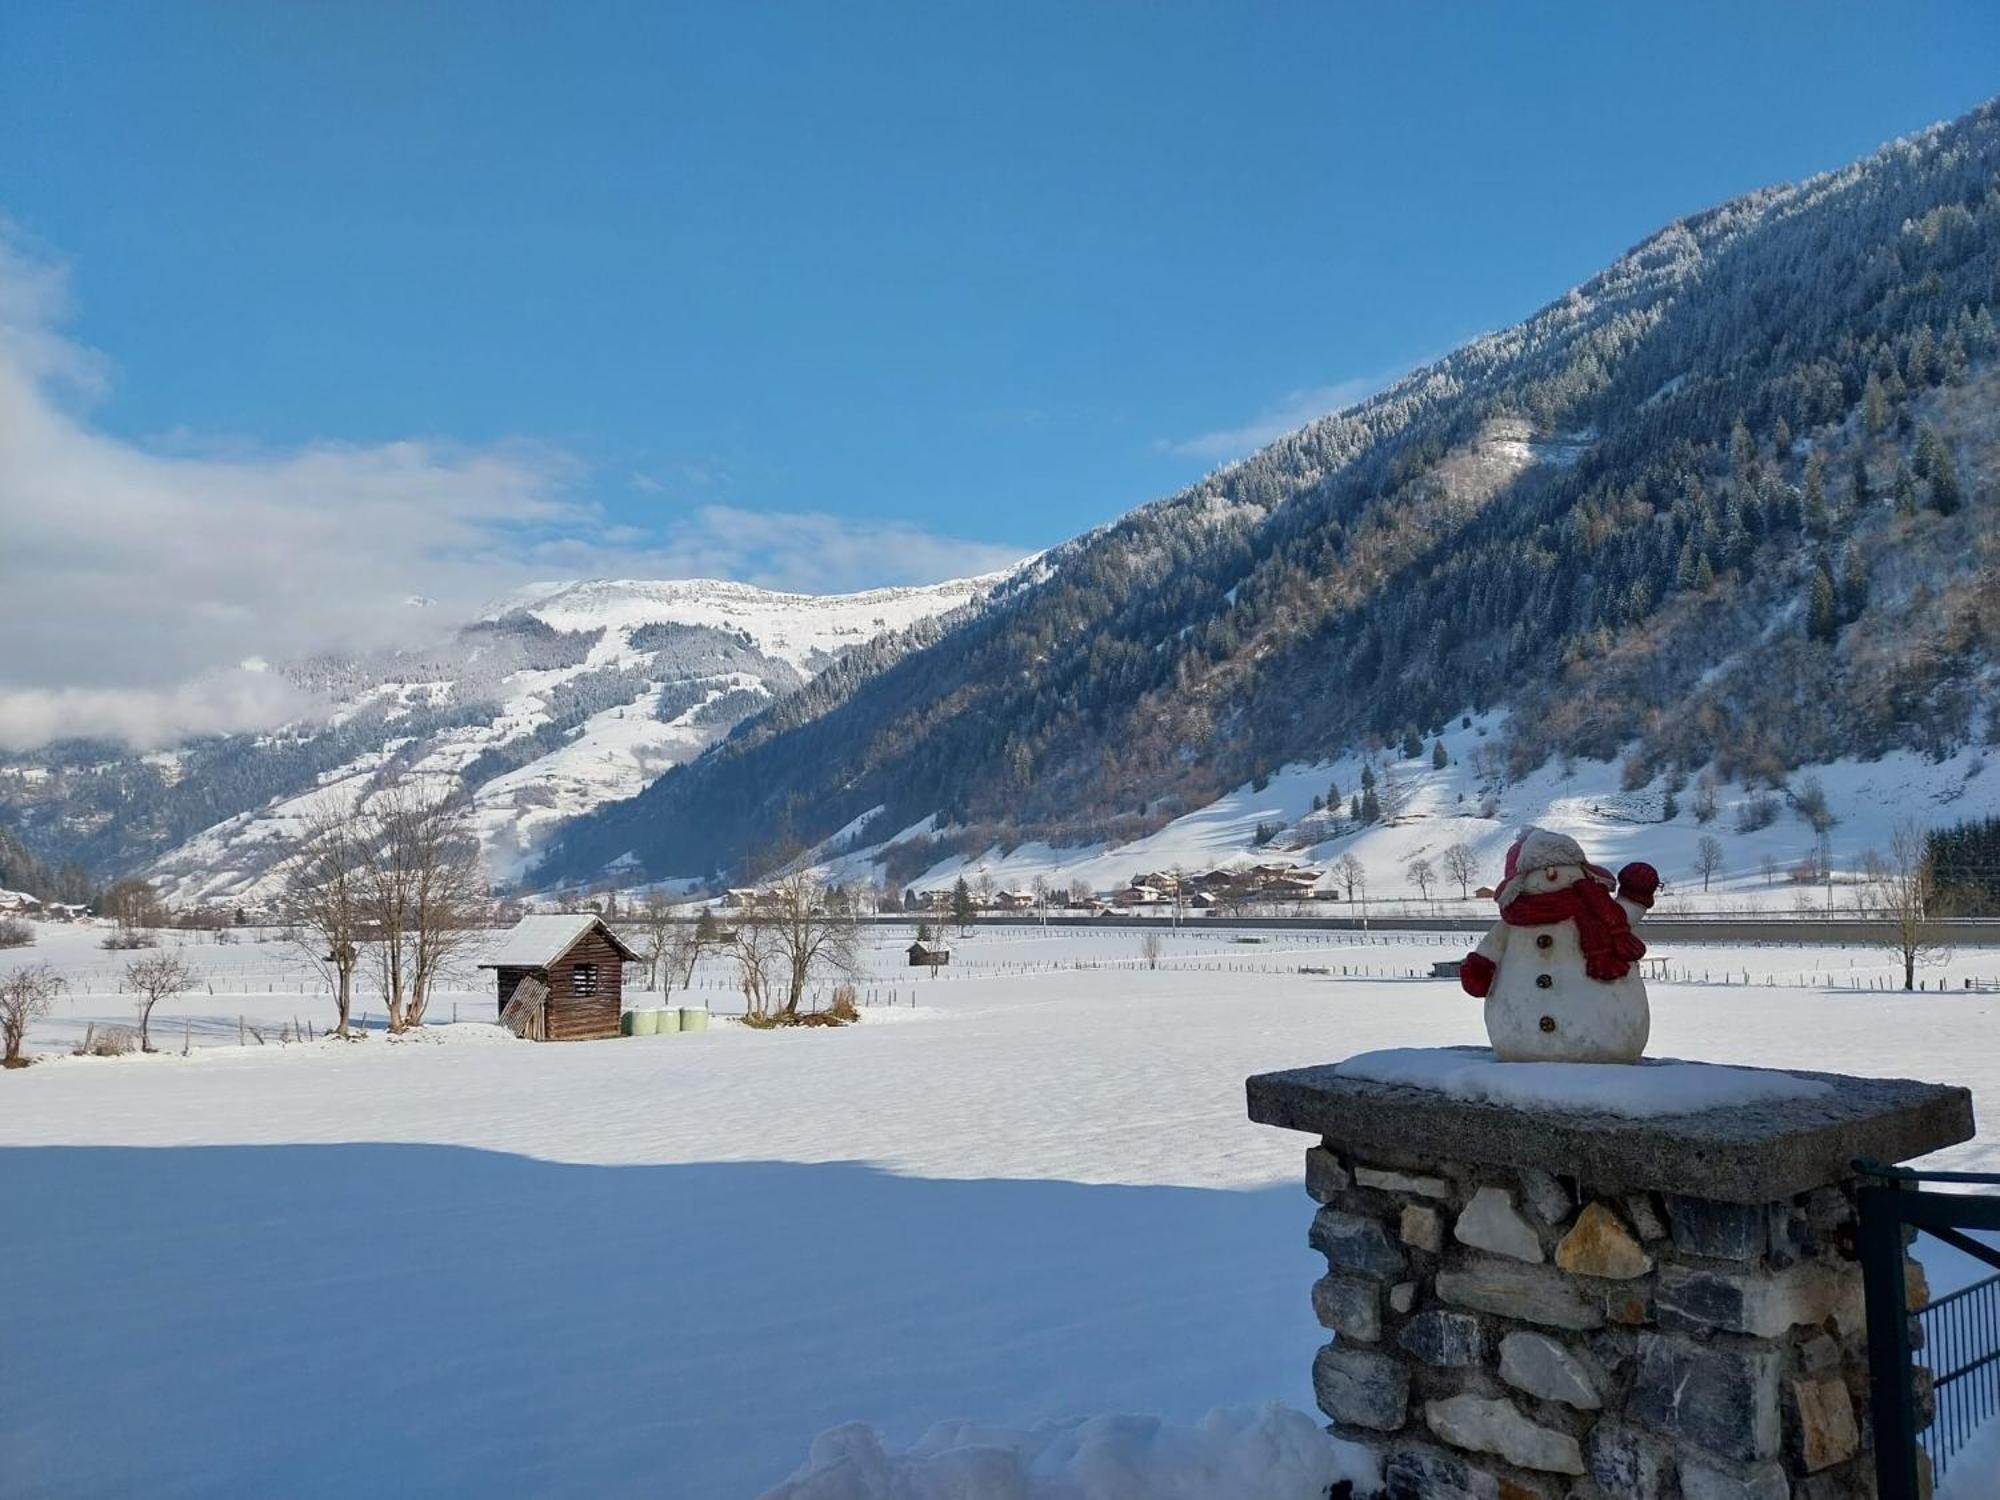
<point x="1960" y="1332"/>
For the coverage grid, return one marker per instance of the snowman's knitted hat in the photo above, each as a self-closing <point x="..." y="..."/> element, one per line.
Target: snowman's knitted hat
<point x="1537" y="849"/>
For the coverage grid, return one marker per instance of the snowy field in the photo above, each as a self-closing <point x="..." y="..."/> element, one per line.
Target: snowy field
<point x="662" y="1266"/>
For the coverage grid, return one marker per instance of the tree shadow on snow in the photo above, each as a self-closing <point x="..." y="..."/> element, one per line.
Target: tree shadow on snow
<point x="414" y="1319"/>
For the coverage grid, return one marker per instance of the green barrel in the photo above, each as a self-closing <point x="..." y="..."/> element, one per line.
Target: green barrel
<point x="628" y="1023"/>
<point x="670" y="1020"/>
<point x="693" y="1018"/>
<point x="645" y="1022"/>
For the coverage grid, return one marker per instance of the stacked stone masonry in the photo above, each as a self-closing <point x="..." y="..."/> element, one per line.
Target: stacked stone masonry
<point x="1501" y="1334"/>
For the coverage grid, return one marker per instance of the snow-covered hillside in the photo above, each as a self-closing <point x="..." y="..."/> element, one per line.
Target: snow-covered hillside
<point x="1427" y="809"/>
<point x="562" y="697"/>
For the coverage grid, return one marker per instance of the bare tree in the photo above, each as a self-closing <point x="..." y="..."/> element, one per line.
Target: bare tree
<point x="26" y="995"/>
<point x="1707" y="797"/>
<point x="132" y="903"/>
<point x="154" y="979"/>
<point x="1422" y="876"/>
<point x="426" y="894"/>
<point x="1903" y="900"/>
<point x="1351" y="874"/>
<point x="1708" y="858"/>
<point x="1462" y="865"/>
<point x="814" y="932"/>
<point x="691" y="942"/>
<point x="656" y="923"/>
<point x="754" y="946"/>
<point x="1149" y="950"/>
<point x="324" y="897"/>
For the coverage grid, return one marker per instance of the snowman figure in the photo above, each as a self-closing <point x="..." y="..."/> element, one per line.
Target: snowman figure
<point x="1559" y="971"/>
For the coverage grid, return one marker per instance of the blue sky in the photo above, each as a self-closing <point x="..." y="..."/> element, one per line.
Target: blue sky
<point x="956" y="280"/>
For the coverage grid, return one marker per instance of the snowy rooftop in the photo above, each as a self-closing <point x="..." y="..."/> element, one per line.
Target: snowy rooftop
<point x="538" y="940"/>
<point x="1745" y="1135"/>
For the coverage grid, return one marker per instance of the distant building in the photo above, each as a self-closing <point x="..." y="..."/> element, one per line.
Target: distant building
<point x="925" y="955"/>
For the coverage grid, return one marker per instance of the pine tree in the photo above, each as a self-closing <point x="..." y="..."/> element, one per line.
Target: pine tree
<point x="1822" y="616"/>
<point x="1354" y="807"/>
<point x="1924" y="460"/>
<point x="1819" y="524"/>
<point x="1874" y="406"/>
<point x="1863" y="491"/>
<point x="1781" y="439"/>
<point x="1945" y="493"/>
<point x="1920" y="364"/>
<point x="1686" y="570"/>
<point x="1371" y="807"/>
<point x="1413" y="744"/>
<point x="1853" y="586"/>
<point x="1704" y="575"/>
<point x="1439" y="758"/>
<point x="1905" y="491"/>
<point x="1742" y="452"/>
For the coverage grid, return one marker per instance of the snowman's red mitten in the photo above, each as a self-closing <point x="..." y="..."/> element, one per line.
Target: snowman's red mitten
<point x="1475" y="975"/>
<point x="1639" y="882"/>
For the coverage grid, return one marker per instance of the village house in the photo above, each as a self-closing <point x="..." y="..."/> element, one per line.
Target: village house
<point x="561" y="977"/>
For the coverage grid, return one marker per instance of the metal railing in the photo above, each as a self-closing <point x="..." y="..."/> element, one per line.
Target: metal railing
<point x="1962" y="1349"/>
<point x="1960" y="1331"/>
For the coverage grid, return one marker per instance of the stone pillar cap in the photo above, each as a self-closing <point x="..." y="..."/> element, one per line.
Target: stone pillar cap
<point x="1739" y="1153"/>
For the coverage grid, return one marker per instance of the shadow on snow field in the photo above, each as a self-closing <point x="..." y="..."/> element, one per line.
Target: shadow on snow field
<point x="415" y="1319"/>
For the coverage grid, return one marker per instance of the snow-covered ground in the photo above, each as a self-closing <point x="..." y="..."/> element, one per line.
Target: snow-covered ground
<point x="1468" y="801"/>
<point x="664" y="1265"/>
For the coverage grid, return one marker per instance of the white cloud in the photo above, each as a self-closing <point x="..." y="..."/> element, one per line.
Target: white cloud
<point x="134" y="579"/>
<point x="1290" y="412"/>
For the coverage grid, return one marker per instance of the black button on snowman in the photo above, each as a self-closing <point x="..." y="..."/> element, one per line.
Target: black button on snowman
<point x="1559" y="971"/>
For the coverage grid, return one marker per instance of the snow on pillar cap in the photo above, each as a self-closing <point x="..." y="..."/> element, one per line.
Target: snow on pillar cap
<point x="1537" y="849"/>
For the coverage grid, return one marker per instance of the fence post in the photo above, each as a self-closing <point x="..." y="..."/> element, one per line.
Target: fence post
<point x="1880" y="1241"/>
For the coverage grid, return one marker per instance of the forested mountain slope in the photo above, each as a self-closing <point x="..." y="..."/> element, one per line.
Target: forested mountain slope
<point x="1732" y="500"/>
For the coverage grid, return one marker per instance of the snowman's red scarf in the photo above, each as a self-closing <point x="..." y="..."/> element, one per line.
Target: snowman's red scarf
<point x="1610" y="946"/>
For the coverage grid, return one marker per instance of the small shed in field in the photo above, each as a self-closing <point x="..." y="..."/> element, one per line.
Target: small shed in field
<point x="577" y="962"/>
<point x="925" y="955"/>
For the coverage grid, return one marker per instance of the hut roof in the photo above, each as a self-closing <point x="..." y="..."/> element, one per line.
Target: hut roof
<point x="538" y="941"/>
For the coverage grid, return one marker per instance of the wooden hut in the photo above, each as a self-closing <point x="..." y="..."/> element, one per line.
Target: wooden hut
<point x="576" y="963"/>
<point x="925" y="955"/>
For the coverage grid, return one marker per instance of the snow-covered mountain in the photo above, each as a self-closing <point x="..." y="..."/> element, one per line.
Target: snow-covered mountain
<point x="1728" y="505"/>
<point x="558" y="699"/>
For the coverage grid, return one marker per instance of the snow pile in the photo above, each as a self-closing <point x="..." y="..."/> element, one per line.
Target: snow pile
<point x="1273" y="1453"/>
<point x="1973" y="1470"/>
<point x="1639" y="1091"/>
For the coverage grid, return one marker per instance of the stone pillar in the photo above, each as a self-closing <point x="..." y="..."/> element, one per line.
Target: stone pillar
<point x="1533" y="1304"/>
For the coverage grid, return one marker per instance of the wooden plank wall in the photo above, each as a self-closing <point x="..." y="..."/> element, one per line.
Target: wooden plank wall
<point x="575" y="1019"/>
